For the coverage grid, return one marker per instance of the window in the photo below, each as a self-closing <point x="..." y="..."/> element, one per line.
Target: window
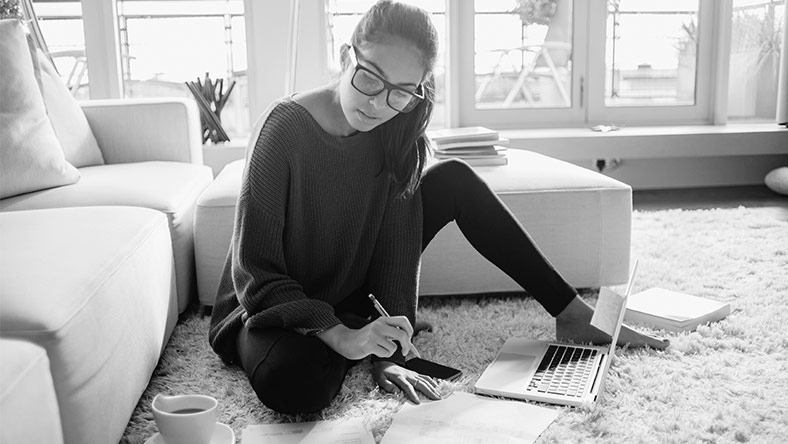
<point x="169" y="42"/>
<point x="756" y="40"/>
<point x="571" y="63"/>
<point x="62" y="27"/>
<point x="650" y="53"/>
<point x="526" y="62"/>
<point x="503" y="63"/>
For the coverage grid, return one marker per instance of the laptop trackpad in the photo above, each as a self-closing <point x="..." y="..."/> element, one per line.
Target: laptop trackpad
<point x="509" y="373"/>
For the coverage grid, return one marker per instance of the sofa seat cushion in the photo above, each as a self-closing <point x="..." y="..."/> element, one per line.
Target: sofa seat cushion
<point x="94" y="286"/>
<point x="28" y="405"/>
<point x="169" y="187"/>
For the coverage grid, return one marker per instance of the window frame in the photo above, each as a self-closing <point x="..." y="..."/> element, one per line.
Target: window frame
<point x="698" y="113"/>
<point x="267" y="78"/>
<point x="589" y="21"/>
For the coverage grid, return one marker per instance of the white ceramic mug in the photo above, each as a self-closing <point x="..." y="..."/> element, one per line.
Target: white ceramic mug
<point x="185" y="419"/>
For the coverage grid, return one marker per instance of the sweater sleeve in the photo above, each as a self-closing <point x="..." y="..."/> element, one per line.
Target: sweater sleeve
<point x="269" y="296"/>
<point x="394" y="269"/>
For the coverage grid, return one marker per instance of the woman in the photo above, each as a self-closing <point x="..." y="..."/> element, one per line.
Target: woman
<point x="335" y="205"/>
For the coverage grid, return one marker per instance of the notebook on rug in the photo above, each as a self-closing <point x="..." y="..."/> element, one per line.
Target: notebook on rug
<point x="674" y="311"/>
<point x="556" y="372"/>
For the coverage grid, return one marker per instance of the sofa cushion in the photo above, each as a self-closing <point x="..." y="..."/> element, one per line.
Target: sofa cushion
<point x="170" y="187"/>
<point x="94" y="286"/>
<point x="31" y="158"/>
<point x="28" y="405"/>
<point x="67" y="118"/>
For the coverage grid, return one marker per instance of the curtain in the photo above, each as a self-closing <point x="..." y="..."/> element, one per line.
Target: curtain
<point x="35" y="31"/>
<point x="782" y="85"/>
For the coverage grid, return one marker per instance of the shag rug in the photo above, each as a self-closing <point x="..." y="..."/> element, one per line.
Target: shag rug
<point x="725" y="382"/>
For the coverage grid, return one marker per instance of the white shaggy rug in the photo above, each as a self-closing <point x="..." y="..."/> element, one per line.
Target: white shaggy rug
<point x="726" y="382"/>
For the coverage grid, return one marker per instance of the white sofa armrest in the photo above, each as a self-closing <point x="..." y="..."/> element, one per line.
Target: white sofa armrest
<point x="137" y="130"/>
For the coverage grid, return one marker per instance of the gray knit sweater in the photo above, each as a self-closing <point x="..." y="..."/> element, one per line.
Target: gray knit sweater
<point x="316" y="219"/>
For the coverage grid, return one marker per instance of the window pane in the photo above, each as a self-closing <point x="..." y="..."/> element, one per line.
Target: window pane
<point x="756" y="40"/>
<point x="651" y="52"/>
<point x="61" y="25"/>
<point x="166" y="43"/>
<point x="343" y="15"/>
<point x="523" y="54"/>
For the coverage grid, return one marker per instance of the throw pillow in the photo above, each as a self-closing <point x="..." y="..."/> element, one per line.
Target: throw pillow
<point x="69" y="122"/>
<point x="777" y="180"/>
<point x="31" y="158"/>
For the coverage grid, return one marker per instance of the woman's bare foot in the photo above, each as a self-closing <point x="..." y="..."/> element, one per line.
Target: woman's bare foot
<point x="574" y="324"/>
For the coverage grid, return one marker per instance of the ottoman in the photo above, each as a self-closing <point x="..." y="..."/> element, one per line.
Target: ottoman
<point x="579" y="218"/>
<point x="28" y="406"/>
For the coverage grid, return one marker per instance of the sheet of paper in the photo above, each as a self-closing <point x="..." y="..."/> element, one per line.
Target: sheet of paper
<point x="607" y="311"/>
<point x="465" y="418"/>
<point x="349" y="431"/>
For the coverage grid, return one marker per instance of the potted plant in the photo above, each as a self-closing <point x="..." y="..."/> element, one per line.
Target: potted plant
<point x="9" y="9"/>
<point x="538" y="12"/>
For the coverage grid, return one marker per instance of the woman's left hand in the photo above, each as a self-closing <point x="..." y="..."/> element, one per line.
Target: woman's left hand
<point x="389" y="376"/>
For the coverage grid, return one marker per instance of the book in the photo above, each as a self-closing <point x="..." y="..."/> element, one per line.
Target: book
<point x="478" y="156"/>
<point x="472" y="151"/>
<point x="471" y="144"/>
<point x="480" y="161"/>
<point x="673" y="311"/>
<point x="464" y="134"/>
<point x="487" y="161"/>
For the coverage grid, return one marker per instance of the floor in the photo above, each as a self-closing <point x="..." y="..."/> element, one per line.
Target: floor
<point x="722" y="197"/>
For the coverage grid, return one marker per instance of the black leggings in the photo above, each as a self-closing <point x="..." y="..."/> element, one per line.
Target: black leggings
<point x="293" y="373"/>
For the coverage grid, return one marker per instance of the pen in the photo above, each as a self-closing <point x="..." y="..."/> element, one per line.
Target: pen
<point x="384" y="313"/>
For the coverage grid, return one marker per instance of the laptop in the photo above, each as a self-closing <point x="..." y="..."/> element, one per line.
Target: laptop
<point x="555" y="372"/>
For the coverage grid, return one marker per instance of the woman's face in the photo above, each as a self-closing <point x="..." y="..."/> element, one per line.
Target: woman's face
<point x="398" y="63"/>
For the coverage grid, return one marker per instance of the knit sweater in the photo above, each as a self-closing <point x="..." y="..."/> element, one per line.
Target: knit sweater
<point x="317" y="218"/>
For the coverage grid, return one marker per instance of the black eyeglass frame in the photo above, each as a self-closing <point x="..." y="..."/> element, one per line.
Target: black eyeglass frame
<point x="416" y="98"/>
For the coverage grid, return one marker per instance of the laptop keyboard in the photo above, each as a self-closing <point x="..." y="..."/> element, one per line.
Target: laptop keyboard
<point x="564" y="370"/>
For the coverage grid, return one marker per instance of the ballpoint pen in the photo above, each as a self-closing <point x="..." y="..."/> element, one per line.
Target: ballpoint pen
<point x="384" y="313"/>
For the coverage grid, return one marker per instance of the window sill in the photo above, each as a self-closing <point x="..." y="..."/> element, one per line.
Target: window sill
<point x="735" y="139"/>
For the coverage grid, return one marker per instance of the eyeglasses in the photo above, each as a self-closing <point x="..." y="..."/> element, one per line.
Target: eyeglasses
<point x="370" y="84"/>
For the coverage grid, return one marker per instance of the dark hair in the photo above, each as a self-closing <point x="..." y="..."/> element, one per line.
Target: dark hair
<point x="403" y="138"/>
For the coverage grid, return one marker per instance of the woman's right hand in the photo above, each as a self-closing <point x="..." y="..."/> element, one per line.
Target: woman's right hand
<point x="379" y="338"/>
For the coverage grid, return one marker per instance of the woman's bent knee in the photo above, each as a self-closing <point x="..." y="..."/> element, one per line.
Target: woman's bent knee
<point x="297" y="379"/>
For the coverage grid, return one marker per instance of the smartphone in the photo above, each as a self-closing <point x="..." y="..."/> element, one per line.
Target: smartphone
<point x="433" y="369"/>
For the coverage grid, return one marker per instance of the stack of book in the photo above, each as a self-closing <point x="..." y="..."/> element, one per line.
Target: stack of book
<point x="477" y="145"/>
<point x="673" y="311"/>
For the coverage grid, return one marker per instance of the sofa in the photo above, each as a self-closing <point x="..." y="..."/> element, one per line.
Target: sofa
<point x="97" y="259"/>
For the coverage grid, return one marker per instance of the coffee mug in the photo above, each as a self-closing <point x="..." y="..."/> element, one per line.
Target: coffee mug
<point x="185" y="419"/>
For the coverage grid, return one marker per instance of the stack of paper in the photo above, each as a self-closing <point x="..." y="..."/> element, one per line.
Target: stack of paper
<point x="476" y="145"/>
<point x="673" y="311"/>
<point x="469" y="418"/>
<point x="350" y="431"/>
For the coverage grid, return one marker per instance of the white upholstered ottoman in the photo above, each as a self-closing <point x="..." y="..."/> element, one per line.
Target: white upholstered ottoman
<point x="579" y="218"/>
